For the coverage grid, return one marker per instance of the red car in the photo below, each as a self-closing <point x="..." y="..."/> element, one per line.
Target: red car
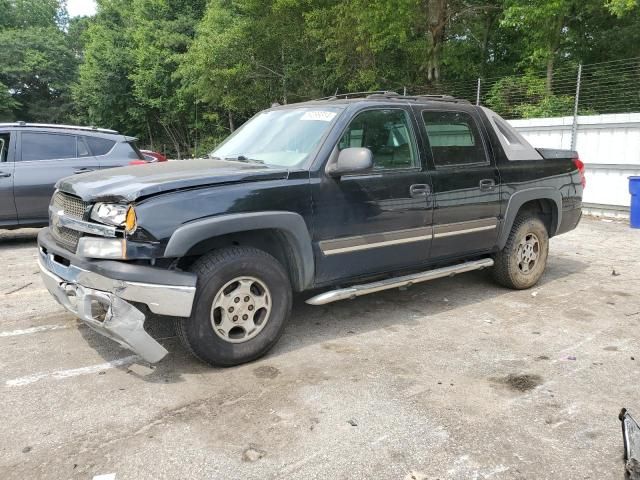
<point x="153" y="157"/>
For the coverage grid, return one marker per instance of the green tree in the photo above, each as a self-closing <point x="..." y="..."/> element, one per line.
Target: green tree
<point x="163" y="32"/>
<point x="246" y="56"/>
<point x="104" y="92"/>
<point x="37" y="65"/>
<point x="621" y="7"/>
<point x="527" y="97"/>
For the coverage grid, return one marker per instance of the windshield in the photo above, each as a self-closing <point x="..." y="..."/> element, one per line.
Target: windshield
<point x="283" y="138"/>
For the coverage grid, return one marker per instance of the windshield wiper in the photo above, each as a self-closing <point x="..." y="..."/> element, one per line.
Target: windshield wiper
<point x="242" y="158"/>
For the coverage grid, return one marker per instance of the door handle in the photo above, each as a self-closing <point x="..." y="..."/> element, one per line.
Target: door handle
<point x="4" y="175"/>
<point x="419" y="190"/>
<point x="487" y="184"/>
<point x="83" y="170"/>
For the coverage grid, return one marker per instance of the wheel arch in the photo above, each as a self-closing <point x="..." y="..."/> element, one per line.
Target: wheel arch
<point x="284" y="235"/>
<point x="546" y="201"/>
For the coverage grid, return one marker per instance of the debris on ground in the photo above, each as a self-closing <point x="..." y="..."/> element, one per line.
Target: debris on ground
<point x="631" y="441"/>
<point x="253" y="454"/>
<point x="614" y="273"/>
<point x="19" y="288"/>
<point x="353" y="423"/>
<point x="106" y="476"/>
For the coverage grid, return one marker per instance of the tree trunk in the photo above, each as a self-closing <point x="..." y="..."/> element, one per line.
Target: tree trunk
<point x="284" y="77"/>
<point x="488" y="28"/>
<point x="173" y="139"/>
<point x="554" y="46"/>
<point x="231" y="126"/>
<point x="150" y="136"/>
<point x="436" y="21"/>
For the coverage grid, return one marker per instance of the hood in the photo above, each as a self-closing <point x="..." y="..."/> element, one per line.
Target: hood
<point x="128" y="184"/>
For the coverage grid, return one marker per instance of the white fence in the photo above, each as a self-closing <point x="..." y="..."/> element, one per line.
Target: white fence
<point x="609" y="145"/>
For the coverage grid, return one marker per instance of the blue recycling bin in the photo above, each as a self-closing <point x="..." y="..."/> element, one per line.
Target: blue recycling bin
<point x="634" y="190"/>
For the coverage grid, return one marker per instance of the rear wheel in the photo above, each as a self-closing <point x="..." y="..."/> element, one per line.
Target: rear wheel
<point x="522" y="261"/>
<point x="243" y="300"/>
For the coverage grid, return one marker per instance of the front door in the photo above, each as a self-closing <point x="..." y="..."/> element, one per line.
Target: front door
<point x="7" y="206"/>
<point x="379" y="220"/>
<point x="466" y="183"/>
<point x="43" y="159"/>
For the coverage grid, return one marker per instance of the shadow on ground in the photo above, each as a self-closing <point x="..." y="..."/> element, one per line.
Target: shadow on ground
<point x="17" y="238"/>
<point x="311" y="325"/>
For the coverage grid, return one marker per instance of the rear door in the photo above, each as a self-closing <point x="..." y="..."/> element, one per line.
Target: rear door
<point x="466" y="182"/>
<point x="8" y="214"/>
<point x="43" y="158"/>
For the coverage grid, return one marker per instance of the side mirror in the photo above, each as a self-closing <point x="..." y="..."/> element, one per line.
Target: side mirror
<point x="351" y="160"/>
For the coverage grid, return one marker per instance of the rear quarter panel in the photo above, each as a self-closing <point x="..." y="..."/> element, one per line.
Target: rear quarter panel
<point x="558" y="173"/>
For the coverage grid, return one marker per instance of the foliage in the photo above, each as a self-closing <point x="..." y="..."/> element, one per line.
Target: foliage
<point x="182" y="74"/>
<point x="621" y="7"/>
<point x="527" y="97"/>
<point x="104" y="91"/>
<point x="38" y="67"/>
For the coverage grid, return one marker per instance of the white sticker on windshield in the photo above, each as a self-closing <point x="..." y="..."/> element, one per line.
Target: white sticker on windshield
<point x="318" y="116"/>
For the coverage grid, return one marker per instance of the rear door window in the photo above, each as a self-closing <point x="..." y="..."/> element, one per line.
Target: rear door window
<point x="47" y="146"/>
<point x="454" y="138"/>
<point x="136" y="151"/>
<point x="99" y="146"/>
<point x="83" y="148"/>
<point x="4" y="147"/>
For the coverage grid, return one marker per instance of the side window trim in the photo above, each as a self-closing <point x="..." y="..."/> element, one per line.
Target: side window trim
<point x="418" y="164"/>
<point x="19" y="158"/>
<point x="93" y="152"/>
<point x="80" y="141"/>
<point x="487" y="159"/>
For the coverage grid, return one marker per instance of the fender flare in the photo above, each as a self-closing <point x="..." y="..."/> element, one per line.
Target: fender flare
<point x="521" y="197"/>
<point x="291" y="224"/>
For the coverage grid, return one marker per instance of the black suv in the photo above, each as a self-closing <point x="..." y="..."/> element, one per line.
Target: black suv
<point x="33" y="157"/>
<point x="344" y="196"/>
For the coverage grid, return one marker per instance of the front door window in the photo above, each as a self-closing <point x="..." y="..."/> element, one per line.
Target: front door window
<point x="387" y="133"/>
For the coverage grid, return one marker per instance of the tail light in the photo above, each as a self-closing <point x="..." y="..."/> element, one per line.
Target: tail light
<point x="137" y="162"/>
<point x="580" y="166"/>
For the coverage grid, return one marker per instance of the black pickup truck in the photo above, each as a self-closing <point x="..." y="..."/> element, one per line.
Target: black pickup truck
<point x="342" y="196"/>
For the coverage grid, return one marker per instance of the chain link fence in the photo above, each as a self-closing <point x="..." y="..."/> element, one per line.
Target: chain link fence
<point x="590" y="89"/>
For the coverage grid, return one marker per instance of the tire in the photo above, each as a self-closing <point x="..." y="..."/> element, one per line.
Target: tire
<point x="224" y="336"/>
<point x="522" y="261"/>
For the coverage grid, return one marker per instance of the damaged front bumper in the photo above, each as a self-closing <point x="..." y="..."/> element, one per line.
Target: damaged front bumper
<point x="103" y="303"/>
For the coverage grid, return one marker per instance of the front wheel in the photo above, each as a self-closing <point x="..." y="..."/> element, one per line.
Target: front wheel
<point x="522" y="261"/>
<point x="243" y="300"/>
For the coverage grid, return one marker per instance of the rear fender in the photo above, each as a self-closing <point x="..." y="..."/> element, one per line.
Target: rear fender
<point x="518" y="199"/>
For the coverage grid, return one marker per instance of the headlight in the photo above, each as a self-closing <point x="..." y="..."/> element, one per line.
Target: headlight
<point x="109" y="213"/>
<point x="114" y="214"/>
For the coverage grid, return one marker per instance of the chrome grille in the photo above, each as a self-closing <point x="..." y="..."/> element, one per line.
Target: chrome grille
<point x="72" y="207"/>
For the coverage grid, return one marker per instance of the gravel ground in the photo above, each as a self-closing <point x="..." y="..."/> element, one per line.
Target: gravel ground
<point x="453" y="379"/>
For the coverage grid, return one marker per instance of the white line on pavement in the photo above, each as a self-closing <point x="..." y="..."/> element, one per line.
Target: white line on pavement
<point x="27" y="331"/>
<point x="62" y="374"/>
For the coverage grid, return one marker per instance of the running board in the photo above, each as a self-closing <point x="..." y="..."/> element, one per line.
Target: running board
<point x="404" y="281"/>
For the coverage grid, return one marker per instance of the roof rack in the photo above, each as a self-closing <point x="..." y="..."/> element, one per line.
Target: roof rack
<point x="337" y="95"/>
<point x="391" y="95"/>
<point x="52" y="125"/>
<point x="437" y="98"/>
